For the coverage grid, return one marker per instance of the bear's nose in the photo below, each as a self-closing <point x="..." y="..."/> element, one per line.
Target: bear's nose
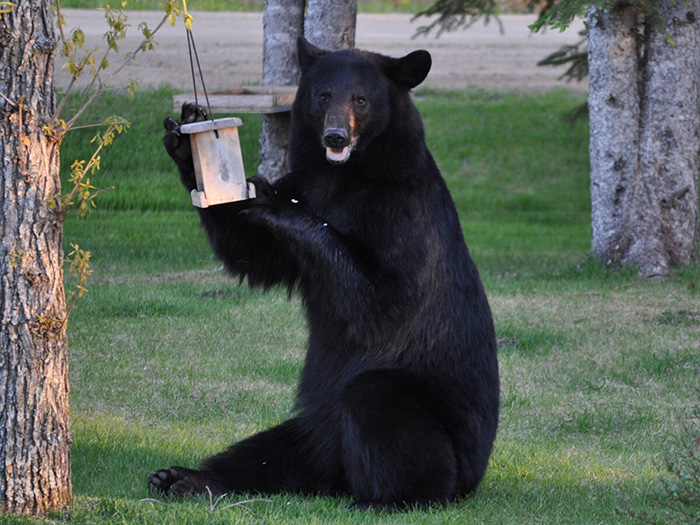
<point x="336" y="138"/>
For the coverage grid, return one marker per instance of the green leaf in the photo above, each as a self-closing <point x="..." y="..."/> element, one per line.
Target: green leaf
<point x="78" y="37"/>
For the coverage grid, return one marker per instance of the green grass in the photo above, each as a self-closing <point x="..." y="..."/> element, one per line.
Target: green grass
<point x="172" y="361"/>
<point x="518" y="172"/>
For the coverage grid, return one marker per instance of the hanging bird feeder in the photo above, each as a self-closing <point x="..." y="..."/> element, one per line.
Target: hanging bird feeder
<point x="218" y="163"/>
<point x="216" y="149"/>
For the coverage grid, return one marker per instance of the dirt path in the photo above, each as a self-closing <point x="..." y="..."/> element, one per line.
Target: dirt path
<point x="230" y="50"/>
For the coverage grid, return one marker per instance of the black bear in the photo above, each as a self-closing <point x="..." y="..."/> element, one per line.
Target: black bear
<point x="398" y="399"/>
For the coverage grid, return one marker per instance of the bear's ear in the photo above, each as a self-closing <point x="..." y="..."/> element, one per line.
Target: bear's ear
<point x="411" y="70"/>
<point x="307" y="54"/>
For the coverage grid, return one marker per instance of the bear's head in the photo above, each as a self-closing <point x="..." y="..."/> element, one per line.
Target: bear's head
<point x="346" y="98"/>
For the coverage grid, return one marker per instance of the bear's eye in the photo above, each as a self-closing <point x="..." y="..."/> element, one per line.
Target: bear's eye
<point x="360" y="100"/>
<point x="324" y="97"/>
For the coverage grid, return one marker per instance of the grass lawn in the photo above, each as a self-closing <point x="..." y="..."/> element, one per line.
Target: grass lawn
<point x="172" y="361"/>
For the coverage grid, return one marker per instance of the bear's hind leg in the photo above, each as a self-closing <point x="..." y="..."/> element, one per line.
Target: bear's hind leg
<point x="280" y="459"/>
<point x="396" y="452"/>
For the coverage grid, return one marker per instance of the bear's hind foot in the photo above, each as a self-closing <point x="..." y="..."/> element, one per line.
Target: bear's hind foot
<point x="180" y="481"/>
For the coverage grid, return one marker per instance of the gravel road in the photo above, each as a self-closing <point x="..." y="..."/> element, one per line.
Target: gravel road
<point x="230" y="50"/>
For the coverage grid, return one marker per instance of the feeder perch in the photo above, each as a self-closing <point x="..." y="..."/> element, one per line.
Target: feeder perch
<point x="218" y="163"/>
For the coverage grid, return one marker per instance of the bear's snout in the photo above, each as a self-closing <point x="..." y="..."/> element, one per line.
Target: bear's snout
<point x="337" y="142"/>
<point x="336" y="138"/>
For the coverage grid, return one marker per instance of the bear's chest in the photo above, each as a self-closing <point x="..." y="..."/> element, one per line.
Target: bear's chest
<point x="360" y="210"/>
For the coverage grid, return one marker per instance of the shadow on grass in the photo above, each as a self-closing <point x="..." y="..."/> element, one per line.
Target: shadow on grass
<point x="535" y="483"/>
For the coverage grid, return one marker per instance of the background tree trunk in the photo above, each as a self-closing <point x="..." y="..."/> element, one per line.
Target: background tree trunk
<point x="613" y="104"/>
<point x="331" y="24"/>
<point x="663" y="216"/>
<point x="34" y="426"/>
<point x="645" y="137"/>
<point x="327" y="24"/>
<point x="283" y="23"/>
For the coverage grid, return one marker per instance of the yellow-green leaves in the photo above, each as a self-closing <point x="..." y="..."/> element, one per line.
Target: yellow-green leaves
<point x="81" y="199"/>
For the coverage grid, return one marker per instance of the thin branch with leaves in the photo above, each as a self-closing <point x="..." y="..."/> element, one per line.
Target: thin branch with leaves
<point x="81" y="197"/>
<point x="117" y="22"/>
<point x="81" y="61"/>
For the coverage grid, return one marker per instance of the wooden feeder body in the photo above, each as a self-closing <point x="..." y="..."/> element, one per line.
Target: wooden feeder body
<point x="218" y="163"/>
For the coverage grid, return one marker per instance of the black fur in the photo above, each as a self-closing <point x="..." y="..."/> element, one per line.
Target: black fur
<point x="398" y="399"/>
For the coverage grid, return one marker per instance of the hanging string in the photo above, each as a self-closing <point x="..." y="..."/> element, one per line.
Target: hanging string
<point x="193" y="52"/>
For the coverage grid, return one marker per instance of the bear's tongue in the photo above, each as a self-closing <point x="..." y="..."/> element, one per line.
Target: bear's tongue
<point x="338" y="155"/>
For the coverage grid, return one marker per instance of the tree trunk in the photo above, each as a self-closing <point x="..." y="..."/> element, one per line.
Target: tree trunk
<point x="283" y="22"/>
<point x="327" y="24"/>
<point x="663" y="215"/>
<point x="34" y="427"/>
<point x="645" y="136"/>
<point x="613" y="103"/>
<point x="330" y="24"/>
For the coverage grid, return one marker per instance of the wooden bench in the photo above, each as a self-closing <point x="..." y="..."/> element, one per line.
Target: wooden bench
<point x="253" y="99"/>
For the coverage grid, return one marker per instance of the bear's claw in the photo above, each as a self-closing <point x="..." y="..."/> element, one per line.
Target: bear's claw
<point x="172" y="481"/>
<point x="180" y="481"/>
<point x="192" y="113"/>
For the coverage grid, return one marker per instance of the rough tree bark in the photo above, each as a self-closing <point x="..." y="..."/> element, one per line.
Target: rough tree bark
<point x="283" y="23"/>
<point x="327" y="24"/>
<point x="613" y="103"/>
<point x="645" y="136"/>
<point x="664" y="227"/>
<point x="34" y="427"/>
<point x="330" y="24"/>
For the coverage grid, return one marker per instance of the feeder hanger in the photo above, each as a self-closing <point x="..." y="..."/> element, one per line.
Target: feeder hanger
<point x="216" y="148"/>
<point x="193" y="52"/>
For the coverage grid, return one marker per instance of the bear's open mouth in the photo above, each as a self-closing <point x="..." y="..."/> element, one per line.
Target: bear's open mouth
<point x="338" y="155"/>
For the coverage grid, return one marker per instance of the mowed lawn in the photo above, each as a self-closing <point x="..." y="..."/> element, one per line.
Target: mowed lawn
<point x="172" y="361"/>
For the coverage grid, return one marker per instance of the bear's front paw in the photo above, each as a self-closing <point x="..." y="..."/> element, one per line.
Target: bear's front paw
<point x="171" y="139"/>
<point x="180" y="481"/>
<point x="265" y="194"/>
<point x="266" y="205"/>
<point x="192" y="113"/>
<point x="178" y="147"/>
